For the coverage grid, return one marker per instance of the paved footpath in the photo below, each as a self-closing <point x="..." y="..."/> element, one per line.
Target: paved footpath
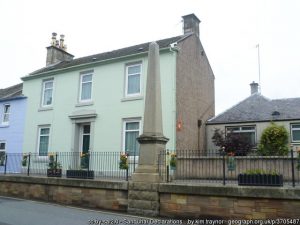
<point x="24" y="212"/>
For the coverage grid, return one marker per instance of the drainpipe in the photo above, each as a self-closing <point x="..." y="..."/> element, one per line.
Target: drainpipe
<point x="174" y="49"/>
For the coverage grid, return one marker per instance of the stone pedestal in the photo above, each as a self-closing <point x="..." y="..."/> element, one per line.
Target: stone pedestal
<point x="143" y="198"/>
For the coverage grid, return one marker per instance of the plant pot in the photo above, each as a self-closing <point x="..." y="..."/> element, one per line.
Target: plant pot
<point x="172" y="167"/>
<point x="54" y="172"/>
<point x="80" y="174"/>
<point x="260" y="180"/>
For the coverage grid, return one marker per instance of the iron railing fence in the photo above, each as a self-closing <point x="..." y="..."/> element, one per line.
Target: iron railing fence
<point x="103" y="165"/>
<point x="224" y="168"/>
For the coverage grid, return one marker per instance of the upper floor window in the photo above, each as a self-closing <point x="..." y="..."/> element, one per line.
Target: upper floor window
<point x="6" y="113"/>
<point x="2" y="152"/>
<point x="295" y="130"/>
<point x="133" y="80"/>
<point x="246" y="132"/>
<point x="43" y="141"/>
<point x="86" y="81"/>
<point x="47" y="93"/>
<point x="131" y="130"/>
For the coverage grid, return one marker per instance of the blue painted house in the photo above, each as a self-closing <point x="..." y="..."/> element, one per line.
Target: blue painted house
<point x="12" y="119"/>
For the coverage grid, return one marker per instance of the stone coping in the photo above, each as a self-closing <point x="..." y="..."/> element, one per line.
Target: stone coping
<point x="68" y="182"/>
<point x="232" y="191"/>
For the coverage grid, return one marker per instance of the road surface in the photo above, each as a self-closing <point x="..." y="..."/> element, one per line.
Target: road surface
<point x="24" y="212"/>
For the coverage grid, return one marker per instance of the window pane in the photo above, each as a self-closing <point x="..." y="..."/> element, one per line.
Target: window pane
<point x="45" y="131"/>
<point x="86" y="91"/>
<point x="87" y="78"/>
<point x="6" y="108"/>
<point x="132" y="126"/>
<point x="43" y="148"/>
<point x="2" y="146"/>
<point x="5" y="118"/>
<point x="248" y="128"/>
<point x="48" y="84"/>
<point x="134" y="69"/>
<point x="131" y="144"/>
<point x="250" y="137"/>
<point x="47" y="97"/>
<point x="134" y="84"/>
<point x="296" y="126"/>
<point x="296" y="135"/>
<point x="86" y="129"/>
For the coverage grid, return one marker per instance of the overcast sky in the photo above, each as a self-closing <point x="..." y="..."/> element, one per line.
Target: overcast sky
<point x="229" y="32"/>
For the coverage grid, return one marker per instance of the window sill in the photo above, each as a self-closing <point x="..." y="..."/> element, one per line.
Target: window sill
<point x="80" y="104"/>
<point x="4" y="125"/>
<point x="132" y="98"/>
<point x="45" y="109"/>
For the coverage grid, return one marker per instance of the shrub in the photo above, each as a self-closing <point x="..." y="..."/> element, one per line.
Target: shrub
<point x="233" y="142"/>
<point x="273" y="141"/>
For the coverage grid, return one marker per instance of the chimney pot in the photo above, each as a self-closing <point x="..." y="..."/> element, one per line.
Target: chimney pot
<point x="53" y="39"/>
<point x="57" y="51"/>
<point x="191" y="24"/>
<point x="254" y="88"/>
<point x="61" y="43"/>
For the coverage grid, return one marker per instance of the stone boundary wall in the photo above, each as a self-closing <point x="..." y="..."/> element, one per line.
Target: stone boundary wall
<point x="175" y="200"/>
<point x="228" y="202"/>
<point x="110" y="195"/>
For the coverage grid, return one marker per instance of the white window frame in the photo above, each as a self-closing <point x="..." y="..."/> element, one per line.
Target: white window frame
<point x="39" y="138"/>
<point x="240" y="130"/>
<point x="44" y="90"/>
<point x="125" y="121"/>
<point x="126" y="79"/>
<point x="3" y="150"/>
<point x="81" y="84"/>
<point x="294" y="129"/>
<point x="5" y="113"/>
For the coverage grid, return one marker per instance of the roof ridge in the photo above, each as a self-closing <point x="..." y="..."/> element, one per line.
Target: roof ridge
<point x="131" y="46"/>
<point x="121" y="52"/>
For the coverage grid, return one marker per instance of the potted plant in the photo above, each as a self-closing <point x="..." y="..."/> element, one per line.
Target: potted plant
<point x="2" y="159"/>
<point x="24" y="160"/>
<point x="83" y="172"/>
<point x="123" y="164"/>
<point x="54" y="167"/>
<point x="257" y="177"/>
<point x="173" y="161"/>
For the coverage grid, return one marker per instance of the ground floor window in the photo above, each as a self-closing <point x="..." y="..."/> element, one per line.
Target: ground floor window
<point x="131" y="130"/>
<point x="43" y="141"/>
<point x="2" y="152"/>
<point x="295" y="131"/>
<point x="247" y="132"/>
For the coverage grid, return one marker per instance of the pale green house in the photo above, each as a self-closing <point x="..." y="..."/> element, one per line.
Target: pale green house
<point x="96" y="103"/>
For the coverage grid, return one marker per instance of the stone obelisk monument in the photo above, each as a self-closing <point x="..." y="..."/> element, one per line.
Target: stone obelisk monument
<point x="143" y="190"/>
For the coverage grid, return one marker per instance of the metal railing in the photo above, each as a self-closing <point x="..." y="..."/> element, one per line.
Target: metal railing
<point x="97" y="165"/>
<point x="222" y="168"/>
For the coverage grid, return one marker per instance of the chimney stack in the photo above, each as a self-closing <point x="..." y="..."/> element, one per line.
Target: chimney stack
<point x="56" y="52"/>
<point x="254" y="88"/>
<point x="191" y="24"/>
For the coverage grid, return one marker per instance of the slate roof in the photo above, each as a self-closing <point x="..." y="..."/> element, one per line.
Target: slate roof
<point x="11" y="92"/>
<point x="259" y="108"/>
<point x="140" y="48"/>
